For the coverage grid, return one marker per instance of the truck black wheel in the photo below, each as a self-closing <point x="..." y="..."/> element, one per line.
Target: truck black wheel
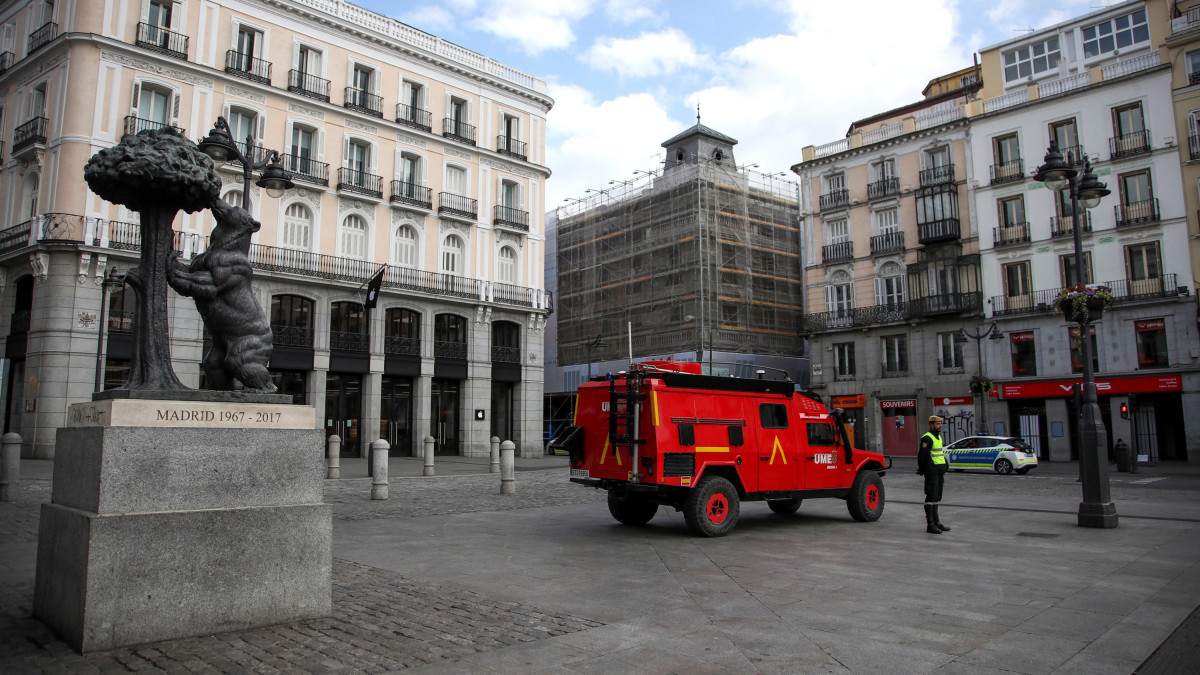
<point x="866" y="497"/>
<point x="784" y="506"/>
<point x="631" y="510"/>
<point x="711" y="508"/>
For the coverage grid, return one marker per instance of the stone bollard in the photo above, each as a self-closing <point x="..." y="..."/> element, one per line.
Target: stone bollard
<point x="495" y="467"/>
<point x="334" y="453"/>
<point x="10" y="466"/>
<point x="508" y="468"/>
<point x="428" y="471"/>
<point x="379" y="469"/>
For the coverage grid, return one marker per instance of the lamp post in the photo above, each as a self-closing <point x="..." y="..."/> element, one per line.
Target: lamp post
<point x="993" y="331"/>
<point x="111" y="282"/>
<point x="1096" y="509"/>
<point x="597" y="342"/>
<point x="220" y="146"/>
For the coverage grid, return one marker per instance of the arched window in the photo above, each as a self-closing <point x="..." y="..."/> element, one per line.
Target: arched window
<point x="452" y="253"/>
<point x="889" y="284"/>
<point x="297" y="227"/>
<point x="291" y="320"/>
<point x="347" y="327"/>
<point x="839" y="293"/>
<point x="506" y="342"/>
<point x="402" y="332"/>
<point x="404" y="247"/>
<point x="233" y="198"/>
<point x="506" y="266"/>
<point x="352" y="240"/>
<point x="450" y="328"/>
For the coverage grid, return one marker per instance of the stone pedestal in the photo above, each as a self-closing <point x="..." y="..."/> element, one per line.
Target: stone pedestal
<point x="177" y="518"/>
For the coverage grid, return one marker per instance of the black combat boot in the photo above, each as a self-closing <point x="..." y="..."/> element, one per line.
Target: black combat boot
<point x="931" y="520"/>
<point x="937" y="522"/>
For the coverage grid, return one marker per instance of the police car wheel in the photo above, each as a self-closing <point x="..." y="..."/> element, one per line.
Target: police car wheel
<point x="1003" y="467"/>
<point x="865" y="500"/>
<point x="631" y="510"/>
<point x="784" y="506"/>
<point x="711" y="508"/>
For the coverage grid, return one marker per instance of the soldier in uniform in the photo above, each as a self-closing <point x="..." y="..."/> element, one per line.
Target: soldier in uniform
<point x="932" y="464"/>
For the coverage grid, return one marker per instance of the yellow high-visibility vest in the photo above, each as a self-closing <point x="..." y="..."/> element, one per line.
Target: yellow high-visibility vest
<point x="935" y="452"/>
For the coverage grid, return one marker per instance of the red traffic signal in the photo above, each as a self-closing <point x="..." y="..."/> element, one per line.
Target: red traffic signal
<point x="1124" y="411"/>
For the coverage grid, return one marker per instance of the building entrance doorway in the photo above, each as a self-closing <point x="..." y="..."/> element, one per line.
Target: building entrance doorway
<point x="395" y="415"/>
<point x="444" y="412"/>
<point x="343" y="411"/>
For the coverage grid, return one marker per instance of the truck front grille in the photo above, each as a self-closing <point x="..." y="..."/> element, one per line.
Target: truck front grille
<point x="679" y="464"/>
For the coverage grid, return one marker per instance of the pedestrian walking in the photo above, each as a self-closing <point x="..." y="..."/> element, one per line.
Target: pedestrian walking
<point x="932" y="464"/>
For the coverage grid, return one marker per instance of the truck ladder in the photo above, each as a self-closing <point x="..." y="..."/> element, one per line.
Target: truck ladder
<point x="624" y="407"/>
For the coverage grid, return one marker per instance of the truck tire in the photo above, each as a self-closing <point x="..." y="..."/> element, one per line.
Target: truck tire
<point x="631" y="510"/>
<point x="784" y="506"/>
<point x="711" y="508"/>
<point x="866" y="497"/>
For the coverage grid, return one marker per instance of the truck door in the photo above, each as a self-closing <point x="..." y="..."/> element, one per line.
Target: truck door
<point x="778" y="460"/>
<point x="824" y="457"/>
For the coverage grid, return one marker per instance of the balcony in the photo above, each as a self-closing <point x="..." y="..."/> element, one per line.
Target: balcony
<point x="402" y="345"/>
<point x="450" y="350"/>
<point x="856" y="317"/>
<point x="6" y="61"/>
<point x="305" y="169"/>
<point x="292" y="336"/>
<point x="364" y="102"/>
<point x="305" y="84"/>
<point x="348" y="341"/>
<point x="1135" y="143"/>
<point x="1073" y="155"/>
<point x="888" y="242"/>
<point x="161" y="40"/>
<point x="1011" y="235"/>
<point x="458" y="131"/>
<point x="134" y="124"/>
<point x="1138" y="213"/>
<point x="1064" y="226"/>
<point x="949" y="303"/>
<point x="458" y="205"/>
<point x="1123" y="291"/>
<point x="938" y="231"/>
<point x="835" y="199"/>
<point x="511" y="147"/>
<point x="42" y="36"/>
<point x="883" y="188"/>
<point x="502" y="354"/>
<point x="414" y="117"/>
<point x="842" y="250"/>
<point x="1008" y="172"/>
<point x="30" y="134"/>
<point x="937" y="175"/>
<point x="360" y="182"/>
<point x="511" y="218"/>
<point x="412" y="194"/>
<point x="247" y="67"/>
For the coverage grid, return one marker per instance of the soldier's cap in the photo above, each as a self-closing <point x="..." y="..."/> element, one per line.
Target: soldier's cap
<point x="934" y="418"/>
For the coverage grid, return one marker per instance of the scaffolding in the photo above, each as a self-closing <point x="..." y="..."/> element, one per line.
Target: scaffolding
<point x="701" y="256"/>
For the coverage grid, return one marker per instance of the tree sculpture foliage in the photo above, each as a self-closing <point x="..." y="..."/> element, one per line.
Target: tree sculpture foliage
<point x="156" y="172"/>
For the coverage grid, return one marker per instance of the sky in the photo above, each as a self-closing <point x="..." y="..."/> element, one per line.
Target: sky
<point x="777" y="75"/>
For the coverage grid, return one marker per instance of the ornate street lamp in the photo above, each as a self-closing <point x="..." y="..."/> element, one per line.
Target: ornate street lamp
<point x="220" y="146"/>
<point x="1096" y="509"/>
<point x="597" y="342"/>
<point x="111" y="282"/>
<point x="993" y="331"/>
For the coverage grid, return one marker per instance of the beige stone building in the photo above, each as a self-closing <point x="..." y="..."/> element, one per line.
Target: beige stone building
<point x="1182" y="44"/>
<point x="406" y="151"/>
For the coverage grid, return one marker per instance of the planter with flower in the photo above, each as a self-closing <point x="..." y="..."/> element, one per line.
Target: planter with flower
<point x="1084" y="303"/>
<point x="982" y="386"/>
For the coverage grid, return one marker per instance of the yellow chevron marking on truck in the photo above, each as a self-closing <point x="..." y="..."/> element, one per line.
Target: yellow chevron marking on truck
<point x="604" y="453"/>
<point x="778" y="448"/>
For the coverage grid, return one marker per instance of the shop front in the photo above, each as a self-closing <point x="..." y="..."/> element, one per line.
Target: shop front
<point x="899" y="426"/>
<point x="958" y="416"/>
<point x="855" y="408"/>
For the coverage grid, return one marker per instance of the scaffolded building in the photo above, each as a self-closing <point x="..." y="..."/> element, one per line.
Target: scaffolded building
<point x="701" y="257"/>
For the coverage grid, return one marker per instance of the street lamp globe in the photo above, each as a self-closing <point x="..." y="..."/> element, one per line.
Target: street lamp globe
<point x="275" y="179"/>
<point x="1054" y="172"/>
<point x="1091" y="191"/>
<point x="219" y="144"/>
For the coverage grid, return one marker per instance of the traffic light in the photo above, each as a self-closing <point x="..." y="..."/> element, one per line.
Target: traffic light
<point x="1124" y="411"/>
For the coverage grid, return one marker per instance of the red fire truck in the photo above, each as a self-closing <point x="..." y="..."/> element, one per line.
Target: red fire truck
<point x="663" y="434"/>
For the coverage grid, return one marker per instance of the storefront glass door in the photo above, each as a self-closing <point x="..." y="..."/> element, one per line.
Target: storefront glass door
<point x="343" y="410"/>
<point x="444" y="416"/>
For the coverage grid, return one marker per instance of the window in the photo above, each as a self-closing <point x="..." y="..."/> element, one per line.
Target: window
<point x="1077" y="349"/>
<point x="347" y="317"/>
<point x="456" y="181"/>
<point x="512" y="127"/>
<point x="895" y="355"/>
<point x="510" y="195"/>
<point x="412" y="94"/>
<point x="352" y="240"/>
<point x="1151" y="343"/>
<point x="452" y="251"/>
<point x="1066" y="134"/>
<point x="884" y="169"/>
<point x="506" y="266"/>
<point x="159" y="18"/>
<point x="404" y="248"/>
<point x="308" y="60"/>
<point x="458" y="113"/>
<point x="291" y="320"/>
<point x="362" y="79"/>
<point x="937" y="204"/>
<point x="233" y="197"/>
<point x="887" y="221"/>
<point x="243" y="124"/>
<point x="1143" y="268"/>
<point x="1012" y="211"/>
<point x="1129" y="131"/>
<point x="843" y="361"/>
<point x="889" y="285"/>
<point x="1030" y="60"/>
<point x="37" y="102"/>
<point x="1063" y="202"/>
<point x="839" y="294"/>
<point x="950" y="359"/>
<point x="1117" y="33"/>
<point x="403" y="323"/>
<point x="1007" y="151"/>
<point x="1017" y="280"/>
<point x="301" y="158"/>
<point x="249" y="43"/>
<point x="936" y="157"/>
<point x="1069" y="276"/>
<point x="821" y="434"/>
<point x="450" y="328"/>
<point x="297" y="228"/>
<point x="410" y="174"/>
<point x="836" y="181"/>
<point x="773" y="415"/>
<point x="152" y="104"/>
<point x="1024" y="361"/>
<point x="1135" y="188"/>
<point x="837" y="231"/>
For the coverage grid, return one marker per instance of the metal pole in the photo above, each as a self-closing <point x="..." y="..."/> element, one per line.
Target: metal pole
<point x="982" y="395"/>
<point x="100" y="337"/>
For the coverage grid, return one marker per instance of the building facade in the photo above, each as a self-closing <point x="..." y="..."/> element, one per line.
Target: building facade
<point x="1182" y="42"/>
<point x="407" y="152"/>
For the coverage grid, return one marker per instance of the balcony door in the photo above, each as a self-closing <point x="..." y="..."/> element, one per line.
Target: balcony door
<point x="152" y="105"/>
<point x="159" y="18"/>
<point x="248" y="42"/>
<point x="302" y="150"/>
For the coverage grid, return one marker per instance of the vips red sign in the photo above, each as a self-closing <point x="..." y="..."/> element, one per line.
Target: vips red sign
<point x="1117" y="385"/>
<point x="902" y="403"/>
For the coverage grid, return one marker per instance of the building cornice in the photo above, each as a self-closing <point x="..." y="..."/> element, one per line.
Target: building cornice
<point x="874" y="148"/>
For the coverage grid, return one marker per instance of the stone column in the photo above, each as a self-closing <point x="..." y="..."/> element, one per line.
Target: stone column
<point x="422" y="404"/>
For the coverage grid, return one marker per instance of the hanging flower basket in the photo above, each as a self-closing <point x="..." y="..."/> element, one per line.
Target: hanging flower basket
<point x="1084" y="303"/>
<point x="981" y="386"/>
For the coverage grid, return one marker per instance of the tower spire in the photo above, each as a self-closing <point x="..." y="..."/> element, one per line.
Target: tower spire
<point x="697" y="112"/>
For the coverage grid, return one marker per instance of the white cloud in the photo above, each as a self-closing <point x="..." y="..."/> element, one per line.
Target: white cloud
<point x="631" y="11"/>
<point x="535" y="25"/>
<point x="647" y="55"/>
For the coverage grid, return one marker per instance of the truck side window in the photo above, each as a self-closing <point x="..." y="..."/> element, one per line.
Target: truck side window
<point x="735" y="436"/>
<point x="773" y="415"/>
<point x="821" y="434"/>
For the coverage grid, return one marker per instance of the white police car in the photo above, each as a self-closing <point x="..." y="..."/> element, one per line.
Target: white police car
<point x="1002" y="454"/>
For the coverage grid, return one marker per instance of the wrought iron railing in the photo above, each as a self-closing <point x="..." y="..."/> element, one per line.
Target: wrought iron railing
<point x="842" y="250"/>
<point x="307" y="84"/>
<point x="159" y="39"/>
<point x="30" y="133"/>
<point x="883" y="188"/>
<point x="348" y="341"/>
<point x="360" y="182"/>
<point x="134" y="124"/>
<point x="403" y="345"/>
<point x="1008" y="172"/>
<point x="247" y="67"/>
<point x="1007" y="235"/>
<point x="512" y="218"/>
<point x="887" y="242"/>
<point x="42" y="36"/>
<point x="1064" y="226"/>
<point x="405" y="192"/>
<point x="292" y="336"/>
<point x="458" y="130"/>
<point x="1194" y="142"/>
<point x="937" y="175"/>
<point x="15" y="237"/>
<point x="306" y="169"/>
<point x="872" y="315"/>
<point x="450" y="350"/>
<point x="502" y="354"/>
<point x="124" y="236"/>
<point x="835" y="199"/>
<point x="1129" y="144"/>
<point x="364" y="102"/>
<point x="1137" y="213"/>
<point x="507" y="145"/>
<point x="937" y="231"/>
<point x="458" y="205"/>
<point x="414" y="117"/>
<point x="1073" y="154"/>
<point x="949" y="303"/>
<point x="1122" y="290"/>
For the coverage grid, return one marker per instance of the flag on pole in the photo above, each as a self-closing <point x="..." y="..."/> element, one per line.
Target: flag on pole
<point x="373" y="287"/>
